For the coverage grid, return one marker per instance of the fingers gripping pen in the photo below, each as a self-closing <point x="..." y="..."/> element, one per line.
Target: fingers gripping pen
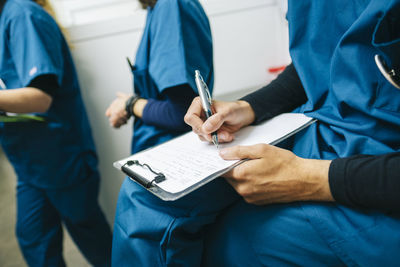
<point x="206" y="101"/>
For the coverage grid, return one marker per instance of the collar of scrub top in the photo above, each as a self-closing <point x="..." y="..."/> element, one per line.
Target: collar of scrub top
<point x="389" y="73"/>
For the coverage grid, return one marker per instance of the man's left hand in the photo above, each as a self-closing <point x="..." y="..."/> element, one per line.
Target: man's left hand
<point x="275" y="175"/>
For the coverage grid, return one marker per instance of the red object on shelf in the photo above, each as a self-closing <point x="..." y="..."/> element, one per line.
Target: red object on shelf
<point x="276" y="70"/>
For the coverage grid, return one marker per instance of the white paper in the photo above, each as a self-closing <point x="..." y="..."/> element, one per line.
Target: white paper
<point x="186" y="160"/>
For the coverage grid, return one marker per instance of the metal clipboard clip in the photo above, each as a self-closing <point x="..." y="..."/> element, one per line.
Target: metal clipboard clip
<point x="389" y="73"/>
<point x="159" y="176"/>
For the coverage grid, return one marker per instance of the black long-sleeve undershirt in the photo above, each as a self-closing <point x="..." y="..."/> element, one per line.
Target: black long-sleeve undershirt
<point x="46" y="83"/>
<point x="366" y="181"/>
<point x="360" y="181"/>
<point x="283" y="94"/>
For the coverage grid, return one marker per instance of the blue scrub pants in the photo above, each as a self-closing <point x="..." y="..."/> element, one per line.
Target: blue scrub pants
<point x="40" y="213"/>
<point x="152" y="232"/>
<point x="279" y="235"/>
<point x="302" y="234"/>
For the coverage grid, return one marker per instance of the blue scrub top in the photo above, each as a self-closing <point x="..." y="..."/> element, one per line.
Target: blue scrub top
<point x="332" y="47"/>
<point x="176" y="41"/>
<point x="59" y="152"/>
<point x="333" y="44"/>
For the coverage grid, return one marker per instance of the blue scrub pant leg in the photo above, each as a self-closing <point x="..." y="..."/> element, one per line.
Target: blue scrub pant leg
<point x="81" y="214"/>
<point x="40" y="213"/>
<point x="38" y="228"/>
<point x="276" y="235"/>
<point x="152" y="232"/>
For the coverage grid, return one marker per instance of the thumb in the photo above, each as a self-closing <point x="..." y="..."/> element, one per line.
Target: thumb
<point x="244" y="152"/>
<point x="108" y="112"/>
<point x="213" y="123"/>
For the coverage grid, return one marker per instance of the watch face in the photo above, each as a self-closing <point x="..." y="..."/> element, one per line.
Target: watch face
<point x="388" y="73"/>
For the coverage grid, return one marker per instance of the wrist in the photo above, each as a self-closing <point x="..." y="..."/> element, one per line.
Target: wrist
<point x="129" y="104"/>
<point x="316" y="175"/>
<point x="138" y="107"/>
<point x="246" y="111"/>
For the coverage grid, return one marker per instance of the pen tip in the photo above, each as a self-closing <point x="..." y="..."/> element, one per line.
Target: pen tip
<point x="215" y="141"/>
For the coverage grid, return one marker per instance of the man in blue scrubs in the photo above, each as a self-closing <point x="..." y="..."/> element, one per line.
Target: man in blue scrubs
<point x="332" y="45"/>
<point x="55" y="160"/>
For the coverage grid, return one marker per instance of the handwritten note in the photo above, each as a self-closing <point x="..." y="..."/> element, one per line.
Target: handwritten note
<point x="186" y="160"/>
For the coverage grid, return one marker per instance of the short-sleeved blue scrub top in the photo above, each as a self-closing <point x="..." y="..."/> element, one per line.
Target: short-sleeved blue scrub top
<point x="168" y="55"/>
<point x="60" y="151"/>
<point x="333" y="44"/>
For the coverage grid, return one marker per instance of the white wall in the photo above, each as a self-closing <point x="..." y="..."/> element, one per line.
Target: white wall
<point x="249" y="37"/>
<point x="79" y="12"/>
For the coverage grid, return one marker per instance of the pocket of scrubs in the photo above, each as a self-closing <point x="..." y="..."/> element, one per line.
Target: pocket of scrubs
<point x="386" y="38"/>
<point x="144" y="85"/>
<point x="387" y="96"/>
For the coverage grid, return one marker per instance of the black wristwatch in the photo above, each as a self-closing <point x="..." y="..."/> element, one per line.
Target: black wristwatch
<point x="129" y="105"/>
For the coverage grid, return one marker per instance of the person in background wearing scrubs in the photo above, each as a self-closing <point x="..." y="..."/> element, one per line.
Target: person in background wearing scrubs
<point x="55" y="160"/>
<point x="334" y="191"/>
<point x="148" y="231"/>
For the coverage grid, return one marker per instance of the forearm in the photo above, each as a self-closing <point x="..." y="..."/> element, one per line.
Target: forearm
<point x="24" y="100"/>
<point x="167" y="112"/>
<point x="316" y="173"/>
<point x="283" y="94"/>
<point x="365" y="181"/>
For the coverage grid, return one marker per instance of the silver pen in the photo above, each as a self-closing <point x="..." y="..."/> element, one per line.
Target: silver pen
<point x="2" y="85"/>
<point x="206" y="101"/>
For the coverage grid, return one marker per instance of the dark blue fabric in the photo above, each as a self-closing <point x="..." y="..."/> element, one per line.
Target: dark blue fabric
<point x="165" y="58"/>
<point x="54" y="154"/>
<point x="168" y="113"/>
<point x="41" y="212"/>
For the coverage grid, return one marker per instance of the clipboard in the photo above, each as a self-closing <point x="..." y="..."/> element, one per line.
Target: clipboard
<point x="179" y="166"/>
<point x="8" y="117"/>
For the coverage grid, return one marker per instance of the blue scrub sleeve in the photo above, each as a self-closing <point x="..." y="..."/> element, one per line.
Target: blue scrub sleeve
<point x="36" y="46"/>
<point x="178" y="29"/>
<point x="169" y="112"/>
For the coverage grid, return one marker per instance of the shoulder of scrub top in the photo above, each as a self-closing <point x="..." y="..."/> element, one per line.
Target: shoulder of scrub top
<point x="161" y="4"/>
<point x="17" y="9"/>
<point x="175" y="12"/>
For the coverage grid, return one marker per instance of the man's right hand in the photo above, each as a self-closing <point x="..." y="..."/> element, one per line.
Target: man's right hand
<point x="228" y="118"/>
